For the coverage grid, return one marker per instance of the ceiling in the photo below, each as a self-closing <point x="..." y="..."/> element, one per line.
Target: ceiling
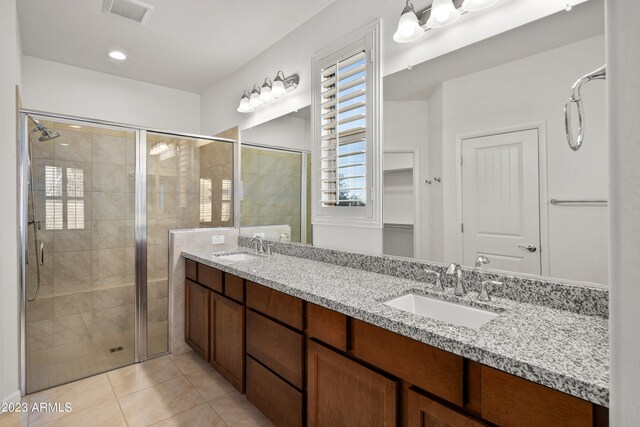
<point x="186" y="44"/>
<point x="584" y="21"/>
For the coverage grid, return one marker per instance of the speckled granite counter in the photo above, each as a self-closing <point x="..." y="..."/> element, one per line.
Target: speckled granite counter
<point x="559" y="349"/>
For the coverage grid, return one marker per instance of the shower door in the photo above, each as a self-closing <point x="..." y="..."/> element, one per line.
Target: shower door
<point x="83" y="243"/>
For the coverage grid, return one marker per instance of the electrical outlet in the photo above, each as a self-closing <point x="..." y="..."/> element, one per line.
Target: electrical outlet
<point x="261" y="235"/>
<point x="217" y="240"/>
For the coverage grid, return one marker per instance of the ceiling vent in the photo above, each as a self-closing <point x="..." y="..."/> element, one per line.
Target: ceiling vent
<point x="131" y="10"/>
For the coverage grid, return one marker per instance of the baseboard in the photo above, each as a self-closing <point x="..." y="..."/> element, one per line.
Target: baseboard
<point x="13" y="398"/>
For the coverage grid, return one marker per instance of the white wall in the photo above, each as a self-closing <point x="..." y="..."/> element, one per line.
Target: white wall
<point x="9" y="300"/>
<point x="292" y="54"/>
<point x="285" y="132"/>
<point x="59" y="88"/>
<point x="405" y="128"/>
<point x="530" y="90"/>
<point x="623" y="69"/>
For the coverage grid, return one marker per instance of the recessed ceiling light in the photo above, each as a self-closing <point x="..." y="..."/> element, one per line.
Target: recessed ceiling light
<point x="115" y="54"/>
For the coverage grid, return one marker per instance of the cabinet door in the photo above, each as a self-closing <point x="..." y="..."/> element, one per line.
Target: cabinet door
<point x="227" y="339"/>
<point x="197" y="318"/>
<point x="342" y="392"/>
<point x="425" y="412"/>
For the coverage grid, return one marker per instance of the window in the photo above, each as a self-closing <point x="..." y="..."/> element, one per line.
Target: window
<point x="54" y="203"/>
<point x="53" y="193"/>
<point x="205" y="200"/>
<point x="347" y="150"/>
<point x="75" y="199"/>
<point x="225" y="214"/>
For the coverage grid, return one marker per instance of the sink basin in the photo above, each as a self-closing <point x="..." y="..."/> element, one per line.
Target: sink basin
<point x="236" y="257"/>
<point x="444" y="311"/>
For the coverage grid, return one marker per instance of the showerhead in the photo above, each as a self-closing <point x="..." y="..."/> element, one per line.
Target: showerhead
<point x="47" y="135"/>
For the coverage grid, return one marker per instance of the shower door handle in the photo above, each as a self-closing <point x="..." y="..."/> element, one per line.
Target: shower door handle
<point x="41" y="255"/>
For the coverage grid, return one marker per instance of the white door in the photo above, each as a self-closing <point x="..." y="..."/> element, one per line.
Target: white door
<point x="500" y="200"/>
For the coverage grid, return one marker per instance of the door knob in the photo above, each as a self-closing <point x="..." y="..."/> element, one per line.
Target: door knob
<point x="530" y="248"/>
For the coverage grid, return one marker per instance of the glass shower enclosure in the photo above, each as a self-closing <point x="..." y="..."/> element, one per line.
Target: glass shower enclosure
<point x="96" y="202"/>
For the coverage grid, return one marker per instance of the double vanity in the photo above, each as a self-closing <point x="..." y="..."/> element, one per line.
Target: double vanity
<point x="320" y="343"/>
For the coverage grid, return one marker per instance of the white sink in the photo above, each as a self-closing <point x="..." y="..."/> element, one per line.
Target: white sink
<point x="236" y="257"/>
<point x="444" y="311"/>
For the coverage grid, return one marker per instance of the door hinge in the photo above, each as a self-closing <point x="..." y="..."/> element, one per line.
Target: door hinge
<point x="462" y="228"/>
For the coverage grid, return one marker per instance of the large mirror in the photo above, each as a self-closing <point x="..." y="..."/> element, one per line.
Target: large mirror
<point x="476" y="160"/>
<point x="275" y="173"/>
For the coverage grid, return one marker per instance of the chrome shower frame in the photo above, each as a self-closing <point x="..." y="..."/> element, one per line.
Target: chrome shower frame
<point x="140" y="227"/>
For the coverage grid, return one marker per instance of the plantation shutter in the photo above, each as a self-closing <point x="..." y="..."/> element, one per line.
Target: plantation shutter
<point x="343" y="128"/>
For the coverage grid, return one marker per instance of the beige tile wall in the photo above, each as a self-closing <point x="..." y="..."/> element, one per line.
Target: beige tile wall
<point x="270" y="188"/>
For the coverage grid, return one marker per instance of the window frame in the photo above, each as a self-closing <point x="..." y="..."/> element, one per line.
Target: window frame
<point x="366" y="39"/>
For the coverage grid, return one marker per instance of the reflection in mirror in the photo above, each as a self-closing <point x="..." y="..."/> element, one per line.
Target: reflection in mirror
<point x="275" y="168"/>
<point x="476" y="154"/>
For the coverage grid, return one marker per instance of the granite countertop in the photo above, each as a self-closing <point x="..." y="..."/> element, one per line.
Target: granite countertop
<point x="566" y="351"/>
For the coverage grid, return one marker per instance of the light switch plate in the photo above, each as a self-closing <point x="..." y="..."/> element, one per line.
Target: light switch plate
<point x="217" y="240"/>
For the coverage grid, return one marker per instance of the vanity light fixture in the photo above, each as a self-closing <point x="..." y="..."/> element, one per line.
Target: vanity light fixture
<point x="442" y="13"/>
<point x="245" y="105"/>
<point x="409" y="28"/>
<point x="268" y="93"/>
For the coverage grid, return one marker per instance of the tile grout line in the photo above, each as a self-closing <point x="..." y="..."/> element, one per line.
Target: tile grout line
<point x="118" y="401"/>
<point x="207" y="402"/>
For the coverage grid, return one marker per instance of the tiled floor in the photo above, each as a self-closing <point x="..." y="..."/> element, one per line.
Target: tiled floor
<point x="181" y="390"/>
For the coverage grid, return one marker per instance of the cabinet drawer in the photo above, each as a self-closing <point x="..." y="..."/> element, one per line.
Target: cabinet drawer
<point x="234" y="287"/>
<point x="191" y="270"/>
<point x="280" y="306"/>
<point x="277" y="347"/>
<point x="426" y="412"/>
<point x="327" y="326"/>
<point x="511" y="401"/>
<point x="210" y="277"/>
<point x="431" y="369"/>
<point x="277" y="400"/>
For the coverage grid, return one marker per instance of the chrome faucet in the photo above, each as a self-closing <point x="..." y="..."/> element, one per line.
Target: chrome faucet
<point x="481" y="260"/>
<point x="460" y="289"/>
<point x="257" y="244"/>
<point x="285" y="236"/>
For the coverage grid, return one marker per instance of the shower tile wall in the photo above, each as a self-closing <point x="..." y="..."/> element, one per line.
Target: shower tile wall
<point x="271" y="182"/>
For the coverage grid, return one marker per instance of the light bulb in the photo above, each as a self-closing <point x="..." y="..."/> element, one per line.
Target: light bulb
<point x="265" y="93"/>
<point x="278" y="87"/>
<point x="476" y="5"/>
<point x="255" y="100"/>
<point x="443" y="13"/>
<point x="409" y="28"/>
<point x="245" y="106"/>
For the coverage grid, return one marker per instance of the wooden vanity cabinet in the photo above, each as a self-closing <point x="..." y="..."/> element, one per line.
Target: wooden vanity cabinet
<point x="197" y="317"/>
<point x="227" y="339"/>
<point x="300" y="363"/>
<point x="342" y="392"/>
<point x="423" y="411"/>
